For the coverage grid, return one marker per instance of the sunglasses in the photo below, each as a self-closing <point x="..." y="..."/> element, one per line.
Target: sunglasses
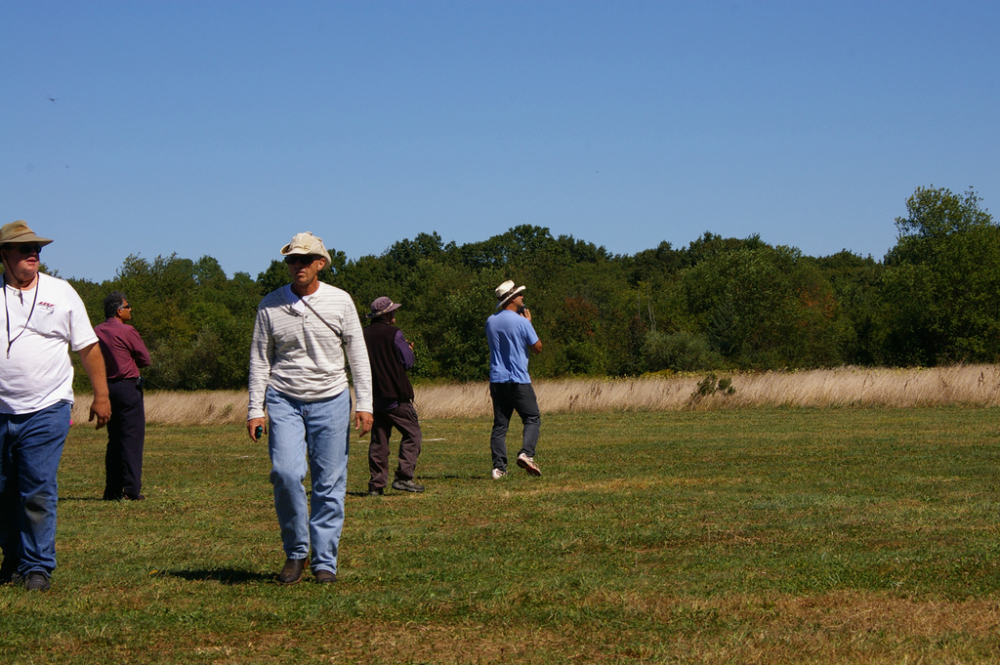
<point x="28" y="249"/>
<point x="125" y="307"/>
<point x="299" y="258"/>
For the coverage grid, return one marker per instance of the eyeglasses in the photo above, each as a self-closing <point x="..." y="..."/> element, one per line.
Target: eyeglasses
<point x="29" y="249"/>
<point x="299" y="258"/>
<point x="125" y="307"/>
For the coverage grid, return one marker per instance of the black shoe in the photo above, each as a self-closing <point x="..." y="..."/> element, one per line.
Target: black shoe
<point x="376" y="491"/>
<point x="407" y="486"/>
<point x="135" y="497"/>
<point x="324" y="576"/>
<point x="291" y="572"/>
<point x="37" y="581"/>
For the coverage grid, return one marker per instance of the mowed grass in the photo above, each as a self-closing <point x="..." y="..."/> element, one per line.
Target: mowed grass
<point x="767" y="535"/>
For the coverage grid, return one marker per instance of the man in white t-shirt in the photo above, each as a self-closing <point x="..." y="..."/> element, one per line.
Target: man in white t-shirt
<point x="43" y="317"/>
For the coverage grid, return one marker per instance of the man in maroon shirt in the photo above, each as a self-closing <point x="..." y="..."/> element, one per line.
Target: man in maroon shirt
<point x="124" y="353"/>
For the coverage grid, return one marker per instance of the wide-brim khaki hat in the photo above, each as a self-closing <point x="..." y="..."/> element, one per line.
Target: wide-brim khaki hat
<point x="306" y="243"/>
<point x="19" y="231"/>
<point x="506" y="292"/>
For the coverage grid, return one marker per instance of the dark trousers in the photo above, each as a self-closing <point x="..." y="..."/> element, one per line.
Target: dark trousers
<point x="403" y="418"/>
<point x="126" y="433"/>
<point x="507" y="398"/>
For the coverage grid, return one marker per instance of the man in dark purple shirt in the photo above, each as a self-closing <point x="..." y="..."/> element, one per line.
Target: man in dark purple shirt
<point x="124" y="353"/>
<point x="390" y="355"/>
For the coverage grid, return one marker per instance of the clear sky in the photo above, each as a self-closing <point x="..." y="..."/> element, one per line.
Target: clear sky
<point x="155" y="127"/>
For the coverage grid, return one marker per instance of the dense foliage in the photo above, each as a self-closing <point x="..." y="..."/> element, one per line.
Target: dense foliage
<point x="717" y="303"/>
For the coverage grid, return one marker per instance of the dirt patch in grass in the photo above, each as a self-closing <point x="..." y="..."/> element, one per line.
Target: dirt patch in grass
<point x="845" y="611"/>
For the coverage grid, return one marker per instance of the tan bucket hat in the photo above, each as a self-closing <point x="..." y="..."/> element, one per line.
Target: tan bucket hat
<point x="306" y="243"/>
<point x="506" y="292"/>
<point x="19" y="231"/>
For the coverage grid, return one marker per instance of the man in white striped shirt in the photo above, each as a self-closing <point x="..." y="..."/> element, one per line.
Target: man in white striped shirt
<point x="297" y="372"/>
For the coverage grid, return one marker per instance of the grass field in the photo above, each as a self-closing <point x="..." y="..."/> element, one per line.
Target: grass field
<point x="725" y="536"/>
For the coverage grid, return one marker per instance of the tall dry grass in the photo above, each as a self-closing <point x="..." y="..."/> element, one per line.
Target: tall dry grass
<point x="972" y="385"/>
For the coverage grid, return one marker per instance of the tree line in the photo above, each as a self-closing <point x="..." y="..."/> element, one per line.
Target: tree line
<point x="719" y="303"/>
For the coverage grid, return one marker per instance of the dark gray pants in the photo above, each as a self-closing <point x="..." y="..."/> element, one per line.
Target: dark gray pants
<point x="403" y="418"/>
<point x="507" y="398"/>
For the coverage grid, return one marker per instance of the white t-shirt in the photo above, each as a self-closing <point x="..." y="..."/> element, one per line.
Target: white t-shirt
<point x="38" y="372"/>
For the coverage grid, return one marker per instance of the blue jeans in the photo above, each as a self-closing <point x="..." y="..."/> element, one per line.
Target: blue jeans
<point x="507" y="398"/>
<point x="32" y="445"/>
<point x="321" y="430"/>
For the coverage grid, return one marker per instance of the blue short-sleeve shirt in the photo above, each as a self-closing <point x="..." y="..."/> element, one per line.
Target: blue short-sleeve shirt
<point x="509" y="335"/>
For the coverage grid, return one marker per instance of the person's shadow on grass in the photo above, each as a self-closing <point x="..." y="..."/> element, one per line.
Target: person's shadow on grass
<point x="221" y="575"/>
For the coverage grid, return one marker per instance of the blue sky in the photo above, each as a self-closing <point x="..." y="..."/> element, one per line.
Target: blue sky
<point x="223" y="128"/>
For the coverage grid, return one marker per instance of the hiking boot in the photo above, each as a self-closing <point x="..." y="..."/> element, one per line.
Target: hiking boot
<point x="324" y="576"/>
<point x="498" y="474"/>
<point x="528" y="464"/>
<point x="407" y="486"/>
<point x="376" y="491"/>
<point x="291" y="572"/>
<point x="37" y="581"/>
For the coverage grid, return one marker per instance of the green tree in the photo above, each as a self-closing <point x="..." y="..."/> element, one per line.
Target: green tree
<point x="857" y="287"/>
<point x="764" y="307"/>
<point x="941" y="289"/>
<point x="196" y="322"/>
<point x="681" y="351"/>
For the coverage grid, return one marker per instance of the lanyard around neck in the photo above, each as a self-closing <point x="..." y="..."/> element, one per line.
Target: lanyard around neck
<point x="10" y="341"/>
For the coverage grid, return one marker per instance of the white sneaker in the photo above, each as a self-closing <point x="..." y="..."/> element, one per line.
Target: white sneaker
<point x="498" y="474"/>
<point x="528" y="464"/>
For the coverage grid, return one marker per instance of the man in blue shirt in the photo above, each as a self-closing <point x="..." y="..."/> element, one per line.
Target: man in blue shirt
<point x="510" y="335"/>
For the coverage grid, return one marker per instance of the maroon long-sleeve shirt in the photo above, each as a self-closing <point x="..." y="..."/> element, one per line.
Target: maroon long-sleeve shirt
<point x="123" y="349"/>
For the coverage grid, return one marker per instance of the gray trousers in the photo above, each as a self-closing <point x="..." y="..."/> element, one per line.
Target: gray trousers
<point x="403" y="418"/>
<point x="507" y="398"/>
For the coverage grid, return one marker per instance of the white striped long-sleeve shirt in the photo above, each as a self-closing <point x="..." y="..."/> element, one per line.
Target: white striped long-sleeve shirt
<point x="301" y="355"/>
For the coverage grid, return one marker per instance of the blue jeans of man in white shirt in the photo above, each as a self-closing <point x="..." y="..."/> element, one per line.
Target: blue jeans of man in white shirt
<point x="322" y="430"/>
<point x="32" y="445"/>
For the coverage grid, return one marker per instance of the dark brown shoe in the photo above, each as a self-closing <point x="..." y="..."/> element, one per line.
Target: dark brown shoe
<point x="37" y="581"/>
<point x="407" y="486"/>
<point x="324" y="576"/>
<point x="291" y="572"/>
